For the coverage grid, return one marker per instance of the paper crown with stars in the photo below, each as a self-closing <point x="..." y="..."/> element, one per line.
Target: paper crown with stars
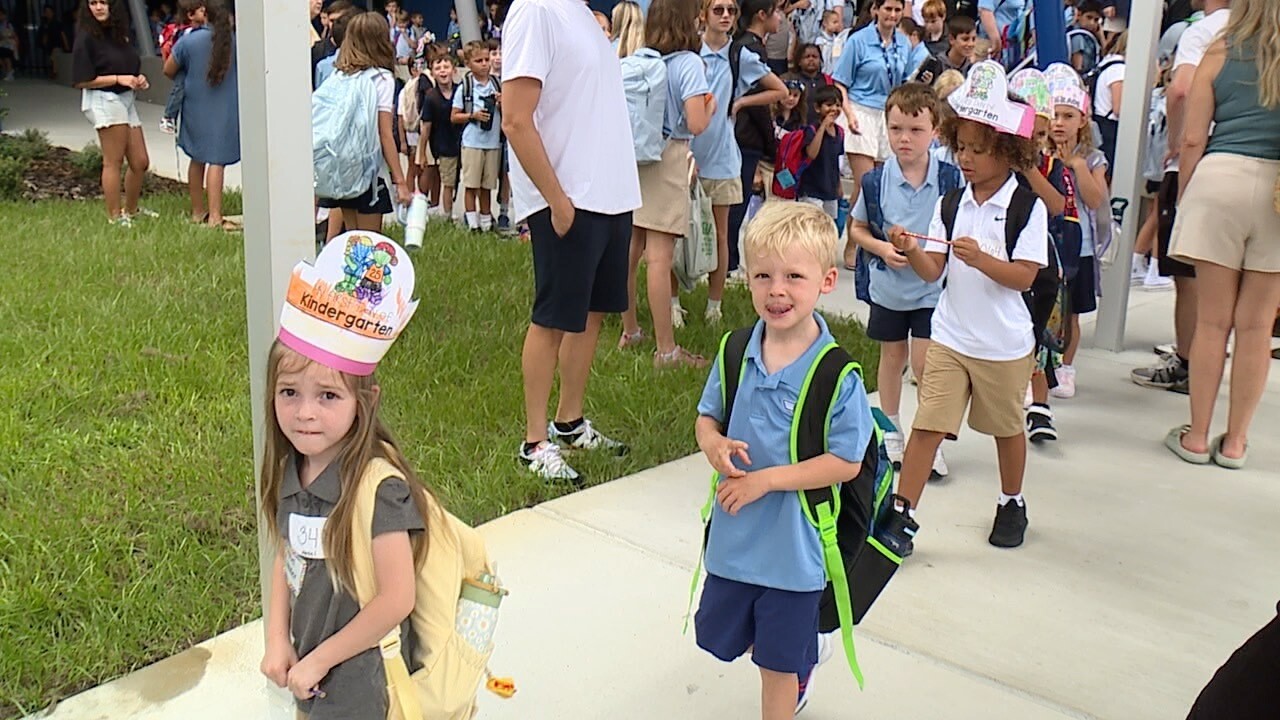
<point x="346" y="309"/>
<point x="984" y="98"/>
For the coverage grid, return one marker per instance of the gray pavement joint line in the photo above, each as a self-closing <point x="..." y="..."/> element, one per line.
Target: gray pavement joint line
<point x="948" y="665"/>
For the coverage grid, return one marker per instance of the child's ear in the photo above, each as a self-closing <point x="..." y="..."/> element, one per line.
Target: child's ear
<point x="829" y="280"/>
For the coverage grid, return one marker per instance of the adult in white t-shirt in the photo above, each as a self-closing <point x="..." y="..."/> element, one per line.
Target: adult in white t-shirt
<point x="574" y="180"/>
<point x="1173" y="374"/>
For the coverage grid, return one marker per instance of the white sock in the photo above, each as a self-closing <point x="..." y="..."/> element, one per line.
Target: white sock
<point x="675" y="301"/>
<point x="503" y="208"/>
<point x="1004" y="499"/>
<point x="486" y="222"/>
<point x="473" y="220"/>
<point x="898" y="507"/>
<point x="1140" y="261"/>
<point x="897" y="422"/>
<point x="713" y="305"/>
<point x="1153" y="273"/>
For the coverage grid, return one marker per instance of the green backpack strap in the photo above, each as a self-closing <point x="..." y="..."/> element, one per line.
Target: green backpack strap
<point x="810" y="429"/>
<point x="731" y="355"/>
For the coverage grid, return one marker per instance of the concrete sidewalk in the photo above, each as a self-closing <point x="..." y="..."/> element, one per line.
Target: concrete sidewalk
<point x="1140" y="575"/>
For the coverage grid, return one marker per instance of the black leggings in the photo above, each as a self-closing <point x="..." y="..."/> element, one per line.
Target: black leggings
<point x="750" y="161"/>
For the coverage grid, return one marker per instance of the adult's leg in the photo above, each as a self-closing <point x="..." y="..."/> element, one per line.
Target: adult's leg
<point x="195" y="190"/>
<point x="750" y="161"/>
<point x="335" y="224"/>
<point x="538" y="365"/>
<point x="139" y="163"/>
<point x="577" y="352"/>
<point x="893" y="359"/>
<point x="351" y="219"/>
<point x="630" y="316"/>
<point x="1254" y="320"/>
<point x="659" y="253"/>
<point x="113" y="141"/>
<point x="1012" y="455"/>
<point x="778" y="693"/>
<point x="715" y="283"/>
<point x="214" y="178"/>
<point x="1215" y="314"/>
<point x="1186" y="305"/>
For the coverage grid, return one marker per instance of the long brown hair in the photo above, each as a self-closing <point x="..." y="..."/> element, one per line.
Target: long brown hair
<point x="366" y="44"/>
<point x="367" y="440"/>
<point x="219" y="19"/>
<point x="672" y="26"/>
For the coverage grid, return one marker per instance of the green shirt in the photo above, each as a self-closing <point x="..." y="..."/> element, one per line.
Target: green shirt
<point x="1243" y="126"/>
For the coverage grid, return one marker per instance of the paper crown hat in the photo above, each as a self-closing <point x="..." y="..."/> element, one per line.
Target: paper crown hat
<point x="1030" y="85"/>
<point x="345" y="310"/>
<point x="1066" y="87"/>
<point x="984" y="98"/>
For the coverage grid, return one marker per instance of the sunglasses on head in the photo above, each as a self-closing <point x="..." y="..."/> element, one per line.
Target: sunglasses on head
<point x="795" y="85"/>
<point x="729" y="10"/>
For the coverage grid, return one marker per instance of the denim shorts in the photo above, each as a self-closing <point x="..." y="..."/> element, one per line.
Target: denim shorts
<point x="779" y="626"/>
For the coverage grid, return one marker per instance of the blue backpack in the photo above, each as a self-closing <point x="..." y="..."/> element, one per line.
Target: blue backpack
<point x="644" y="83"/>
<point x="345" y="147"/>
<point x="949" y="178"/>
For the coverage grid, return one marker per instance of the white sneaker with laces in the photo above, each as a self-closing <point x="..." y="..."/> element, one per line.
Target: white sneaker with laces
<point x="677" y="316"/>
<point x="1139" y="272"/>
<point x="1066" y="388"/>
<point x="546" y="462"/>
<point x="585" y="437"/>
<point x="940" y="469"/>
<point x="895" y="444"/>
<point x="1153" y="280"/>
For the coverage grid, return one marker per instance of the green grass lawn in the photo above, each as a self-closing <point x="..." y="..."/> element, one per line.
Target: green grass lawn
<point x="127" y="528"/>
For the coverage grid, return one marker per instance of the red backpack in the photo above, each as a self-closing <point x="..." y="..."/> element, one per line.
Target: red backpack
<point x="793" y="160"/>
<point x="169" y="37"/>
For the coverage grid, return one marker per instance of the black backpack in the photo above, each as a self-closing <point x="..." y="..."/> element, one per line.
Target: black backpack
<point x="858" y="567"/>
<point x="1043" y="295"/>
<point x="1091" y="81"/>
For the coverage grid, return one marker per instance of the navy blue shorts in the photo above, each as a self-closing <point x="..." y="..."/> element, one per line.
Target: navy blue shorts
<point x="1083" y="289"/>
<point x="781" y="625"/>
<point x="887" y="325"/>
<point x="583" y="272"/>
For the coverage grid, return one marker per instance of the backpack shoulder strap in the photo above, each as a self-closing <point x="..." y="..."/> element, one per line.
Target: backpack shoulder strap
<point x="1019" y="214"/>
<point x="731" y="359"/>
<point x="872" y="184"/>
<point x="951" y="208"/>
<point x="735" y="68"/>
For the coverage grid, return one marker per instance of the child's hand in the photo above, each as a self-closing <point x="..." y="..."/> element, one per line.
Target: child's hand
<point x="735" y="493"/>
<point x="900" y="240"/>
<point x="305" y="677"/>
<point x="480" y="116"/>
<point x="893" y="257"/>
<point x="721" y="452"/>
<point x="277" y="661"/>
<point x="968" y="250"/>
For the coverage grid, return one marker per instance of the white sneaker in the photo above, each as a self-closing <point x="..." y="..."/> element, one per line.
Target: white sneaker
<point x="940" y="469"/>
<point x="586" y="437"/>
<point x="825" y="650"/>
<point x="895" y="444"/>
<point x="1066" y="388"/>
<point x="1139" y="272"/>
<point x="677" y="316"/>
<point x="548" y="463"/>
<point x="1153" y="280"/>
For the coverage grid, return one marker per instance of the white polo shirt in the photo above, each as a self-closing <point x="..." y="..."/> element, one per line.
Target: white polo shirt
<point x="976" y="316"/>
<point x="582" y="113"/>
<point x="1193" y="46"/>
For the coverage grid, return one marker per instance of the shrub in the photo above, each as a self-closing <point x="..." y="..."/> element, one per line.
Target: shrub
<point x="88" y="160"/>
<point x="11" y="178"/>
<point x="26" y="147"/>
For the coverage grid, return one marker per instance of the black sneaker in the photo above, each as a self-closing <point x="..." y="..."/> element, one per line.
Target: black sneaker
<point x="896" y="529"/>
<point x="1040" y="424"/>
<point x="1010" y="526"/>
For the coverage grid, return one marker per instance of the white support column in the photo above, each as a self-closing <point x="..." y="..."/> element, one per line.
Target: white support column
<point x="1127" y="181"/>
<point x="275" y="142"/>
<point x="468" y="20"/>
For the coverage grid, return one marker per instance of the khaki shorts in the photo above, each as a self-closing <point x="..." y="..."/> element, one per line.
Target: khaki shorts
<point x="448" y="171"/>
<point x="664" y="191"/>
<point x="872" y="139"/>
<point x="1227" y="215"/>
<point x="480" y="168"/>
<point x="723" y="192"/>
<point x="992" y="390"/>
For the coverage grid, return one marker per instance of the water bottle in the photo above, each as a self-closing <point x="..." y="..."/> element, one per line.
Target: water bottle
<point x="416" y="221"/>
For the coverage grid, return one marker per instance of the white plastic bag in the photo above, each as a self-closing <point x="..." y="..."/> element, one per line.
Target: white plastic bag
<point x="695" y="254"/>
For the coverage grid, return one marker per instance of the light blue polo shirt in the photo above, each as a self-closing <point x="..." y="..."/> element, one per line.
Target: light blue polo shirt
<point x="912" y="208"/>
<point x="1007" y="12"/>
<point x="869" y="71"/>
<point x="716" y="149"/>
<point x="686" y="78"/>
<point x="473" y="136"/>
<point x="769" y="542"/>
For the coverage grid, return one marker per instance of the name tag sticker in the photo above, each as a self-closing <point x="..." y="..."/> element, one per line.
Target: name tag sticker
<point x="305" y="535"/>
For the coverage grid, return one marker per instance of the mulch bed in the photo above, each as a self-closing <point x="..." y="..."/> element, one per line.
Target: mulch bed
<point x="55" y="175"/>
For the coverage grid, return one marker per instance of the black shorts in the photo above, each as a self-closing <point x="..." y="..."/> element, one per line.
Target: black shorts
<point x="1168" y="199"/>
<point x="375" y="201"/>
<point x="887" y="325"/>
<point x="583" y="272"/>
<point x="1082" y="290"/>
<point x="1245" y="687"/>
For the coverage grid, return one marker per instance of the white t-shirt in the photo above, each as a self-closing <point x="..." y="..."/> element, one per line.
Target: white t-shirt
<point x="976" y="316"/>
<point x="1102" y="97"/>
<point x="384" y="83"/>
<point x="1193" y="45"/>
<point x="582" y="113"/>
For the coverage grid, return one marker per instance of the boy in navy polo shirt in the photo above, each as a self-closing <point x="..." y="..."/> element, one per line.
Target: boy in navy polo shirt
<point x="765" y="573"/>
<point x="820" y="182"/>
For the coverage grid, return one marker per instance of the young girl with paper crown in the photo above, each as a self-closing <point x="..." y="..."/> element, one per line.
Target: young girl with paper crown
<point x="980" y="355"/>
<point x="324" y="439"/>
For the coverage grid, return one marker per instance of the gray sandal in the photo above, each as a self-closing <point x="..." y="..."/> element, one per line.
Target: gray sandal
<point x="1173" y="441"/>
<point x="1230" y="463"/>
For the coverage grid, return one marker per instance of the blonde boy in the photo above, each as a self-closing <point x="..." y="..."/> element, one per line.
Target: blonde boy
<point x="481" y="119"/>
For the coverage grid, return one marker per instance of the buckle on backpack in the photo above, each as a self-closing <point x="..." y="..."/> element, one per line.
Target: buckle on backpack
<point x="390" y="645"/>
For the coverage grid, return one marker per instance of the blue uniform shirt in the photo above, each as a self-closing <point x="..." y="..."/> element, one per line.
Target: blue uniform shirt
<point x="912" y="208"/>
<point x="1007" y="12"/>
<point x="686" y="78"/>
<point x="473" y="135"/>
<point x="769" y="542"/>
<point x="716" y="149"/>
<point x="870" y="71"/>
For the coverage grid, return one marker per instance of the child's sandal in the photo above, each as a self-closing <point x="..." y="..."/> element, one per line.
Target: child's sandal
<point x="678" y="358"/>
<point x="630" y="340"/>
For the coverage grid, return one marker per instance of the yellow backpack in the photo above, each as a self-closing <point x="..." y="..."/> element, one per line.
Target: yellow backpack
<point x="451" y="669"/>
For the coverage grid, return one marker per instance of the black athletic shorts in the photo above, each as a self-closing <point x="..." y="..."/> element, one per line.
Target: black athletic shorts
<point x="1082" y="290"/>
<point x="887" y="325"/>
<point x="1168" y="199"/>
<point x="1245" y="687"/>
<point x="375" y="201"/>
<point x="583" y="272"/>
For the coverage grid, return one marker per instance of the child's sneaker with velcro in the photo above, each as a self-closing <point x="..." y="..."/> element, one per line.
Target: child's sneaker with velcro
<point x="1040" y="423"/>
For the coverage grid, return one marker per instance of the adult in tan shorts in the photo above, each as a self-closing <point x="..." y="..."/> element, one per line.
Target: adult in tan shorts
<point x="1228" y="226"/>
